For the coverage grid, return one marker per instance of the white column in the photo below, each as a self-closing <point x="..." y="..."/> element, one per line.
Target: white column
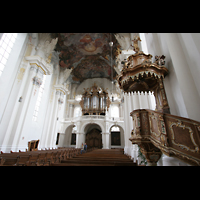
<point x="17" y="128"/>
<point x="184" y="76"/>
<point x="147" y="105"/>
<point x="135" y="105"/>
<point x="80" y="138"/>
<point x="143" y="100"/>
<point x="126" y="122"/>
<point x="107" y="141"/>
<point x="104" y="140"/>
<point x="136" y="101"/>
<point x="132" y="100"/>
<point x="190" y="44"/>
<point x="54" y="119"/>
<point x="130" y="124"/>
<point x="58" y="118"/>
<point x="71" y="106"/>
<point x="151" y="101"/>
<point x="121" y="110"/>
<point x="47" y="123"/>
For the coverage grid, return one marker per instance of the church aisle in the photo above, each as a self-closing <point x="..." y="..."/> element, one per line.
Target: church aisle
<point x="99" y="157"/>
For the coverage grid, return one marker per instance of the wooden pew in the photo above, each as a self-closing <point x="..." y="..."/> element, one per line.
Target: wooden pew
<point x="9" y="161"/>
<point x="37" y="158"/>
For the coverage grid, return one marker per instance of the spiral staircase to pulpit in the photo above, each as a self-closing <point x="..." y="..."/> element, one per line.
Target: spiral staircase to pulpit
<point x="157" y="132"/>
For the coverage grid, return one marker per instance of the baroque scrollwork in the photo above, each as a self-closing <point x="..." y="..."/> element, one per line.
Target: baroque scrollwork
<point x="182" y="146"/>
<point x="95" y="101"/>
<point x="173" y="135"/>
<point x="135" y="46"/>
<point x="160" y="60"/>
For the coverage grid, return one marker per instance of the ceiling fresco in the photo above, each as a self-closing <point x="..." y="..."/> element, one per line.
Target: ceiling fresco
<point x="88" y="54"/>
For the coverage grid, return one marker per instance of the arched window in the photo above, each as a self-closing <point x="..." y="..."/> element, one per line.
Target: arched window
<point x="115" y="128"/>
<point x="6" y="44"/>
<point x="37" y="106"/>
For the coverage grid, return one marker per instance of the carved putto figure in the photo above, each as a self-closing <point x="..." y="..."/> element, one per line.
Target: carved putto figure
<point x="37" y="81"/>
<point x="160" y="60"/>
<point x="135" y="44"/>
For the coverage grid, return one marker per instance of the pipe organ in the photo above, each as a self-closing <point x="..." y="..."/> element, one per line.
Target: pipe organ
<point x="95" y="101"/>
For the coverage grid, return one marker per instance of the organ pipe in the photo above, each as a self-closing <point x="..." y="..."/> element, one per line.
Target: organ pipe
<point x="95" y="101"/>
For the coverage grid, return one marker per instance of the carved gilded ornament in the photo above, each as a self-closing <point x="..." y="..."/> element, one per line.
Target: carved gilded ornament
<point x="135" y="43"/>
<point x="37" y="81"/>
<point x="95" y="100"/>
<point x="182" y="146"/>
<point x="174" y="138"/>
<point x="47" y="68"/>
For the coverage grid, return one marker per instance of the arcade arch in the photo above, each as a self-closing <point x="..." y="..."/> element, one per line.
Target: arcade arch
<point x="68" y="138"/>
<point x="93" y="135"/>
<point x="116" y="133"/>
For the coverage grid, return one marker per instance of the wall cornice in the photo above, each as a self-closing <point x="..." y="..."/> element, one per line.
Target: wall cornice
<point x="61" y="88"/>
<point x="41" y="63"/>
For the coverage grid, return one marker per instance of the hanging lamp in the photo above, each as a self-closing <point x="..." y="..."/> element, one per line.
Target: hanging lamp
<point x="111" y="44"/>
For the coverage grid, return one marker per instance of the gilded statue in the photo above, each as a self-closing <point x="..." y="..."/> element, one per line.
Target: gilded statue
<point x="160" y="60"/>
<point x="135" y="43"/>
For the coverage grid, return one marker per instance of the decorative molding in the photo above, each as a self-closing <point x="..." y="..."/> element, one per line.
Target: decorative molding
<point x="41" y="63"/>
<point x="47" y="45"/>
<point x="183" y="126"/>
<point x="20" y="74"/>
<point x="60" y="101"/>
<point x="61" y="88"/>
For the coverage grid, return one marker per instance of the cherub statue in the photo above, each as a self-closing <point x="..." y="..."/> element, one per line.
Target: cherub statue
<point x="135" y="43"/>
<point x="160" y="60"/>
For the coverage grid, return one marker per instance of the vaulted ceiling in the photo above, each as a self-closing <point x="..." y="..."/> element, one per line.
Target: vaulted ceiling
<point x="88" y="54"/>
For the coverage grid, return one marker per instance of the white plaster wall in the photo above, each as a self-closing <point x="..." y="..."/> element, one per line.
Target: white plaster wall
<point x="101" y="82"/>
<point x="191" y="50"/>
<point x="156" y="45"/>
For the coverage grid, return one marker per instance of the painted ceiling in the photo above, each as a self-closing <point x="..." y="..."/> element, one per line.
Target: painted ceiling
<point x="88" y="54"/>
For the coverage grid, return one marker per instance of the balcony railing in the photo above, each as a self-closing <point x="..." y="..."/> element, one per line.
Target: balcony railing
<point x="96" y="117"/>
<point x="156" y="132"/>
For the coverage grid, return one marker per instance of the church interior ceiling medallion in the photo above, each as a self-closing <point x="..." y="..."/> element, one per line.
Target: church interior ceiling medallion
<point x="88" y="54"/>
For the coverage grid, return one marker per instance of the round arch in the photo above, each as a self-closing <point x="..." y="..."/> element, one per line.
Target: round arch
<point x="84" y="126"/>
<point x="93" y="135"/>
<point x="66" y="138"/>
<point x="122" y="142"/>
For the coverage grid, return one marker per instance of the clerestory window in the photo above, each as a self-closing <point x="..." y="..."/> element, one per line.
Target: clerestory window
<point x="6" y="44"/>
<point x="37" y="106"/>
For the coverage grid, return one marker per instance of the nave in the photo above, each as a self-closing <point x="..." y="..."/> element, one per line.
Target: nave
<point x="67" y="157"/>
<point x="99" y="157"/>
